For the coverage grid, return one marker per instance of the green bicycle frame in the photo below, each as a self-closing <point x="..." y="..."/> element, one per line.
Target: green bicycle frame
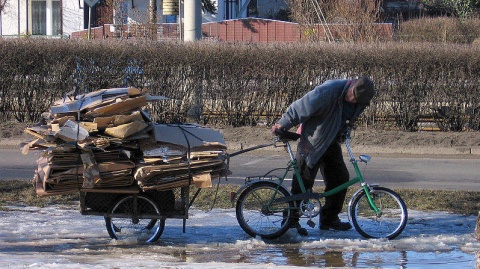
<point x="358" y="179"/>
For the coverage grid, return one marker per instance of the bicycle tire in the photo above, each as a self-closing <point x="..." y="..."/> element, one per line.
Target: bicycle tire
<point x="392" y="221"/>
<point x="125" y="226"/>
<point x="254" y="215"/>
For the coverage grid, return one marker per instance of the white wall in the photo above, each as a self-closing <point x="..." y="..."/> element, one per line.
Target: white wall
<point x="139" y="12"/>
<point x="12" y="15"/>
<point x="10" y="18"/>
<point x="72" y="16"/>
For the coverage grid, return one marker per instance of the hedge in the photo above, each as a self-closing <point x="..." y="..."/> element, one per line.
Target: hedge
<point x="245" y="84"/>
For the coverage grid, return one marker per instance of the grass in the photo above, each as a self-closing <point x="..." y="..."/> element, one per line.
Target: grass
<point x="22" y="193"/>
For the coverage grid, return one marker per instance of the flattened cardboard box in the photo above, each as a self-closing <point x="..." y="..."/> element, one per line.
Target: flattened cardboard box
<point x="187" y="135"/>
<point x="92" y="99"/>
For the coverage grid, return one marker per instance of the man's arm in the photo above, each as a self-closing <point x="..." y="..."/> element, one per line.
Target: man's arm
<point x="311" y="104"/>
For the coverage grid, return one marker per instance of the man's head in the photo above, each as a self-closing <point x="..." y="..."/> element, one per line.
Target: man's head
<point x="363" y="90"/>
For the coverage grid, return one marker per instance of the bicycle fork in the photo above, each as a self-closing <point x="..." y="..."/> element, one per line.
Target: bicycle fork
<point x="359" y="178"/>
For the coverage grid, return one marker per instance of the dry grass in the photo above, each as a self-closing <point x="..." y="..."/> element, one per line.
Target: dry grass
<point x="16" y="192"/>
<point x="439" y="30"/>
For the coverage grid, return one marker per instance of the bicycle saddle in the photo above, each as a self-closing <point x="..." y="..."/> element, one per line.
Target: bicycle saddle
<point x="286" y="135"/>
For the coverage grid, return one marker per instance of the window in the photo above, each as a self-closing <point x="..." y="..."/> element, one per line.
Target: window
<point x="56" y="18"/>
<point x="39" y="17"/>
<point x="46" y="17"/>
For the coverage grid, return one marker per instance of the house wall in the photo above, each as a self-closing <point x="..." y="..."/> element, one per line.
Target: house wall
<point x="138" y="13"/>
<point x="16" y="18"/>
<point x="72" y="16"/>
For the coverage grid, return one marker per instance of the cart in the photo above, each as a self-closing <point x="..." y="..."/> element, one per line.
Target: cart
<point x="128" y="169"/>
<point x="131" y="213"/>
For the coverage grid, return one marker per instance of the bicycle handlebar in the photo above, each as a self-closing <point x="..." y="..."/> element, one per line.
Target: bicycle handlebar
<point x="285" y="135"/>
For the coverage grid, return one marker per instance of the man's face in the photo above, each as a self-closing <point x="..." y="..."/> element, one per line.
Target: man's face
<point x="350" y="96"/>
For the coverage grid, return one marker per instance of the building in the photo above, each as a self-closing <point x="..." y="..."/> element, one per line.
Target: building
<point x="41" y="17"/>
<point x="61" y="18"/>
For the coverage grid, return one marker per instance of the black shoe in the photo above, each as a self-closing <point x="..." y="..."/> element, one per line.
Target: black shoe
<point x="336" y="225"/>
<point x="300" y="230"/>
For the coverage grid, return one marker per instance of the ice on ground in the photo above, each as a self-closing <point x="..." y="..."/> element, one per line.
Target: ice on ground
<point x="60" y="237"/>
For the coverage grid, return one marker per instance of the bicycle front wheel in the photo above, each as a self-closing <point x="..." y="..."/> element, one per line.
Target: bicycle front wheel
<point x="389" y="224"/>
<point x="258" y="215"/>
<point x="135" y="218"/>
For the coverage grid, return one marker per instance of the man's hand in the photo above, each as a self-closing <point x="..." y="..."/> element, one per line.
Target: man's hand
<point x="276" y="127"/>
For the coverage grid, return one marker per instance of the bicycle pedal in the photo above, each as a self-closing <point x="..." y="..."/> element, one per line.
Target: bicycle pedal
<point x="311" y="223"/>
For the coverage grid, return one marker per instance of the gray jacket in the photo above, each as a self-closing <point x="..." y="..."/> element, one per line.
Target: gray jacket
<point x="320" y="113"/>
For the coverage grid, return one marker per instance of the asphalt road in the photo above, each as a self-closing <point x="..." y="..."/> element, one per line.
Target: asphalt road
<point x="407" y="172"/>
<point x="412" y="172"/>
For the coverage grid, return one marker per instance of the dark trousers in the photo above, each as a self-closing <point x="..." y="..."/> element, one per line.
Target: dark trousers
<point x="334" y="172"/>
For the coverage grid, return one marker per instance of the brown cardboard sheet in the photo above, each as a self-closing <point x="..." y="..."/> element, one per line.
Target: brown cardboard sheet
<point x="126" y="130"/>
<point x="116" y="120"/>
<point x="120" y="107"/>
<point x="202" y="181"/>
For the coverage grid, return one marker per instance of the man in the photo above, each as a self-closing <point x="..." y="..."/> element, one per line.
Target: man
<point x="324" y="113"/>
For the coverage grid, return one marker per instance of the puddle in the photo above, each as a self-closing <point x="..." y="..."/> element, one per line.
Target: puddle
<point x="55" y="237"/>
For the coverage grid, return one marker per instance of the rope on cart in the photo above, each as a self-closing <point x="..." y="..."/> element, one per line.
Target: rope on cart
<point x="188" y="150"/>
<point x="79" y="159"/>
<point x="215" y="197"/>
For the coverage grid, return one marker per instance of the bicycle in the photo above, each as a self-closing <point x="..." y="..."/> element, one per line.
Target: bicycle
<point x="264" y="206"/>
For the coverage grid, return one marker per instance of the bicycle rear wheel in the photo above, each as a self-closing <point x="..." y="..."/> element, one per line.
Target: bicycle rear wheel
<point x="258" y="216"/>
<point x="135" y="219"/>
<point x="389" y="224"/>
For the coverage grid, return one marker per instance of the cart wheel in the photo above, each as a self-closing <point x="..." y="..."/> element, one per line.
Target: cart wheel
<point x="129" y="222"/>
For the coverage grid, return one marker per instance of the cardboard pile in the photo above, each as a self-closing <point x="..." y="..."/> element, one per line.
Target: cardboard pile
<point x="105" y="140"/>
